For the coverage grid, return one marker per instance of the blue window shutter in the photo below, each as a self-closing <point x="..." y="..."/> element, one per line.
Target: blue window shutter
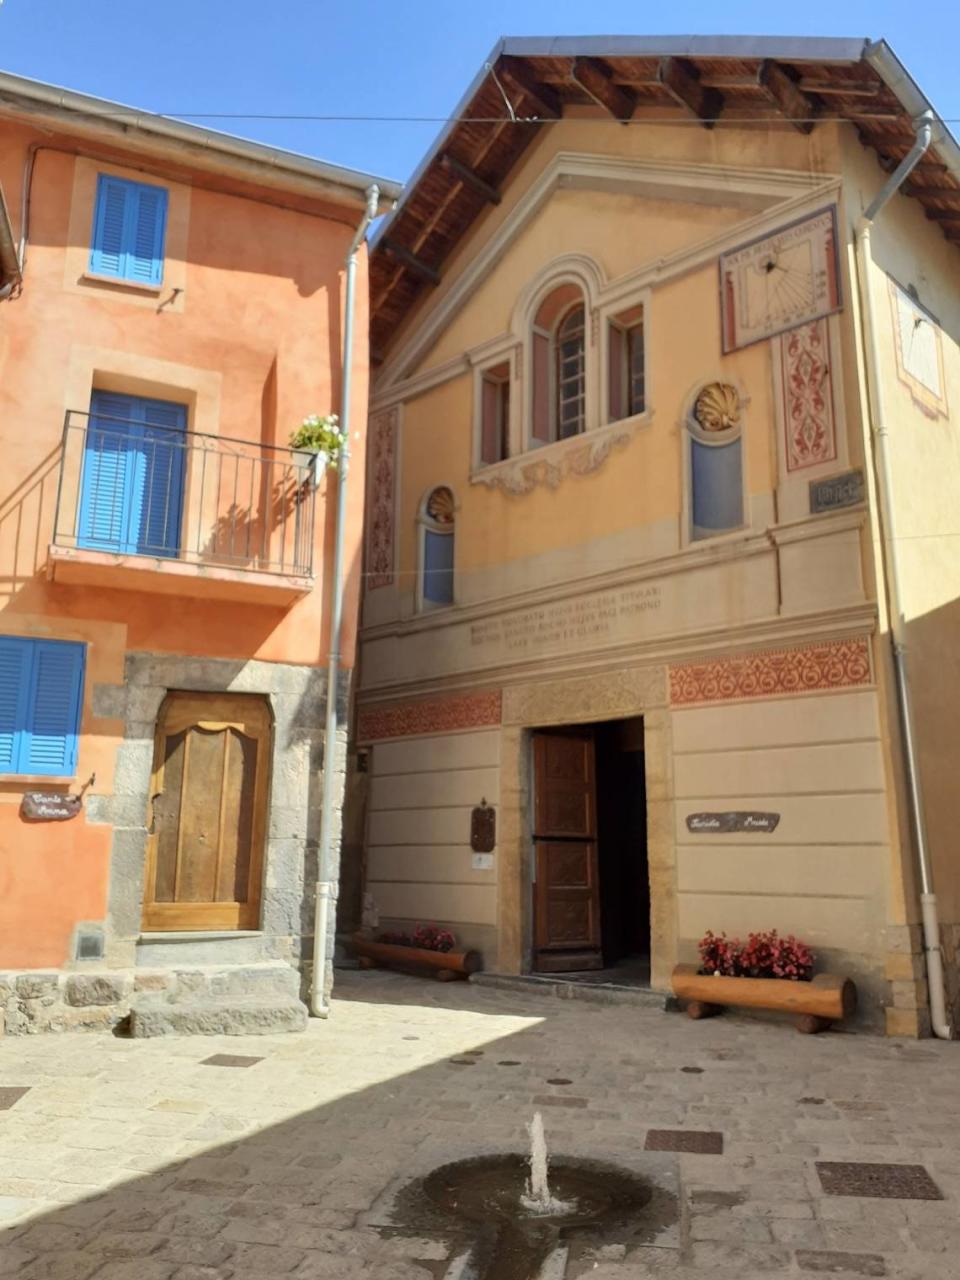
<point x="15" y="661"/>
<point x="131" y="489"/>
<point x="109" y="473"/>
<point x="161" y="503"/>
<point x="53" y="717"/>
<point x="129" y="226"/>
<point x="109" y="221"/>
<point x="148" y="218"/>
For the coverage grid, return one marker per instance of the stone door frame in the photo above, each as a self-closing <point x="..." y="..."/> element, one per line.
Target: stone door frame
<point x="543" y="704"/>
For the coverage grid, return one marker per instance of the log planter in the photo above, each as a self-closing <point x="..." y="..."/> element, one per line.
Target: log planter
<point x="443" y="965"/>
<point x="826" y="998"/>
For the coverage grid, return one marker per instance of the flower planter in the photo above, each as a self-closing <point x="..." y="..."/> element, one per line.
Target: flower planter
<point x="826" y="998"/>
<point x="311" y="463"/>
<point x="444" y="965"/>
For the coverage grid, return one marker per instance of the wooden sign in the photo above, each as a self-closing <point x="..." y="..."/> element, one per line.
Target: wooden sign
<point x="483" y="828"/>
<point x="845" y="490"/>
<point x="49" y="806"/>
<point x="739" y="820"/>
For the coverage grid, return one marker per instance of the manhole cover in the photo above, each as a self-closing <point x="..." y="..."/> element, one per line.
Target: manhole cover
<point x="230" y="1060"/>
<point x="882" y="1181"/>
<point x="856" y="1264"/>
<point x="701" y="1142"/>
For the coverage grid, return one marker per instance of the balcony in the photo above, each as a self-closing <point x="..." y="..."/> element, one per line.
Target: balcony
<point x="150" y="507"/>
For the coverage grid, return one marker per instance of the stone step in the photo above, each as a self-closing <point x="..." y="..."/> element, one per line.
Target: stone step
<point x="209" y="1017"/>
<point x="564" y="989"/>
<point x="184" y="949"/>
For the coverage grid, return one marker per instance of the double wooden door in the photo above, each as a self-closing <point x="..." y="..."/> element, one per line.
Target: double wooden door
<point x="566" y="885"/>
<point x="208" y="810"/>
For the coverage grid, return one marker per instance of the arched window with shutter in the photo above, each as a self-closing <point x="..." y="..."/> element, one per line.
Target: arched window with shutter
<point x="558" y="366"/>
<point x="437" y="543"/>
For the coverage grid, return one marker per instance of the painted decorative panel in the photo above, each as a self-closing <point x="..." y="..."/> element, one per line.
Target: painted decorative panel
<point x="429" y="715"/>
<point x="773" y="673"/>
<point x="808" y="409"/>
<point x="382" y="445"/>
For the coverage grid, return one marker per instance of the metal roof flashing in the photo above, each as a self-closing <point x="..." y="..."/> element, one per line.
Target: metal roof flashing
<point x="33" y="98"/>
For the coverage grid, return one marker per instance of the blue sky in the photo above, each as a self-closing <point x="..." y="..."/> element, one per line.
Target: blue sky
<point x="406" y="58"/>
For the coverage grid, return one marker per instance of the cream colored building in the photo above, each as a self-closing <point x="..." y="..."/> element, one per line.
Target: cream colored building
<point x="629" y="558"/>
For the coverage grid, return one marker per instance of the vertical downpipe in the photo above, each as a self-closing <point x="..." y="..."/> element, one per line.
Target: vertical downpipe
<point x="879" y="436"/>
<point x="325" y="886"/>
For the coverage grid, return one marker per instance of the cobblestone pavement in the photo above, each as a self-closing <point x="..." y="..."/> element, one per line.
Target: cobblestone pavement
<point x="137" y="1159"/>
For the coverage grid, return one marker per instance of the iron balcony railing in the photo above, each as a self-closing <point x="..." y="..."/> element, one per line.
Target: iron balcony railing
<point x="151" y="489"/>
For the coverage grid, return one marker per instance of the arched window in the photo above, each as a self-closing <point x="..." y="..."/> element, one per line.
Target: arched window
<point x="436" y="548"/>
<point x="559" y="366"/>
<point x="716" y="461"/>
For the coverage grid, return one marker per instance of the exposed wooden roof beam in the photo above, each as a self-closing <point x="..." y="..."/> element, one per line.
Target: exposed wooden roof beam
<point x="681" y="79"/>
<point x="463" y="173"/>
<point x="517" y="76"/>
<point x="913" y="188"/>
<point x="596" y="79"/>
<point x="943" y="215"/>
<point x="782" y="90"/>
<point x="408" y="259"/>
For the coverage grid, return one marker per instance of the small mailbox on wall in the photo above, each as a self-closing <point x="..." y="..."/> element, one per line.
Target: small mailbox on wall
<point x="483" y="828"/>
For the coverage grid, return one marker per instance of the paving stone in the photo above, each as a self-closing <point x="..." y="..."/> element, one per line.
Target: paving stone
<point x="698" y="1142"/>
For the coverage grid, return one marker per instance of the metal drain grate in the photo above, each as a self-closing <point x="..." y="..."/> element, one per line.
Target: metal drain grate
<point x="856" y="1264"/>
<point x="11" y="1095"/>
<point x="701" y="1142"/>
<point x="881" y="1181"/>
<point x="230" y="1060"/>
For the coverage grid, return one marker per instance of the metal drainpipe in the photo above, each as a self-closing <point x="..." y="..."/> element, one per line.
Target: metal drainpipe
<point x="325" y="888"/>
<point x="879" y="433"/>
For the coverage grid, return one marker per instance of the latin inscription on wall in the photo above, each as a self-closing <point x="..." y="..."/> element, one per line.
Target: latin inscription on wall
<point x="567" y="622"/>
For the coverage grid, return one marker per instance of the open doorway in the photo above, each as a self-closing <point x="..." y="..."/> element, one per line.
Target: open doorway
<point x="591" y="909"/>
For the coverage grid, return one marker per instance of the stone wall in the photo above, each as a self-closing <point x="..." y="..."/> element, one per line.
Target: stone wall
<point x="244" y="999"/>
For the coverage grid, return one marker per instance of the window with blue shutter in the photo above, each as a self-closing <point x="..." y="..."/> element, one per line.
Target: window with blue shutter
<point x="131" y="485"/>
<point x="129" y="222"/>
<point x="41" y="694"/>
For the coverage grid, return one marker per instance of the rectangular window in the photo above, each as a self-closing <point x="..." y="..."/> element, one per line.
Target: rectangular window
<point x="129" y="222"/>
<point x="495" y="413"/>
<point x="626" y="390"/>
<point x="41" y="693"/>
<point x="131" y="486"/>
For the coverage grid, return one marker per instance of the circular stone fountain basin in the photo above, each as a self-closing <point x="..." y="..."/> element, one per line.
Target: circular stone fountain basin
<point x="489" y="1190"/>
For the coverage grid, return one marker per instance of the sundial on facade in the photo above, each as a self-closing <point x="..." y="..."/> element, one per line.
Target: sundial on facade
<point x="780" y="281"/>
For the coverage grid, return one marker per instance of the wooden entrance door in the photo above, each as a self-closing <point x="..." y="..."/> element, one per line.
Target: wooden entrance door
<point x="208" y="812"/>
<point x="566" y="887"/>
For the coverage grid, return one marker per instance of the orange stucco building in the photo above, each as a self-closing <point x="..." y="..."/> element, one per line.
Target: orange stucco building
<point x="173" y="307"/>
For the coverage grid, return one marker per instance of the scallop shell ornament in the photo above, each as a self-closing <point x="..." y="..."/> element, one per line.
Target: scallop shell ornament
<point x="717" y="407"/>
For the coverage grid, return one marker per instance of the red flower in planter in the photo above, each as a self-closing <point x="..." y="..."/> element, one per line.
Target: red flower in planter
<point x="763" y="955"/>
<point x="431" y="937"/>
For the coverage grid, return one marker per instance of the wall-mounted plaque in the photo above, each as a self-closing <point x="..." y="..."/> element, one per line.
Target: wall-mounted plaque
<point x="780" y="281"/>
<point x="49" y="806"/>
<point x="739" y="820"/>
<point x="483" y="828"/>
<point x="845" y="490"/>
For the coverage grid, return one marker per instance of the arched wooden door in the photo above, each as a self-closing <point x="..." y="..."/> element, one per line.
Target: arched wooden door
<point x="207" y="818"/>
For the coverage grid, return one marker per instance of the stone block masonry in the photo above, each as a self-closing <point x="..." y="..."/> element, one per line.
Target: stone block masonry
<point x="210" y="999"/>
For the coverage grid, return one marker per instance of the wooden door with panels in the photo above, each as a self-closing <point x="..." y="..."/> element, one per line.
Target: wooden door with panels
<point x="208" y="810"/>
<point x="566" y="932"/>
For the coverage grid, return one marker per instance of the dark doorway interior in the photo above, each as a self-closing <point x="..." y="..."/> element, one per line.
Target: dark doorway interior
<point x="622" y="841"/>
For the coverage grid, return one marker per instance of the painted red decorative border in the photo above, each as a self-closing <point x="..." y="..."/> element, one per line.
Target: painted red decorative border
<point x="429" y="715"/>
<point x="808" y="396"/>
<point x="382" y="467"/>
<point x="773" y="673"/>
